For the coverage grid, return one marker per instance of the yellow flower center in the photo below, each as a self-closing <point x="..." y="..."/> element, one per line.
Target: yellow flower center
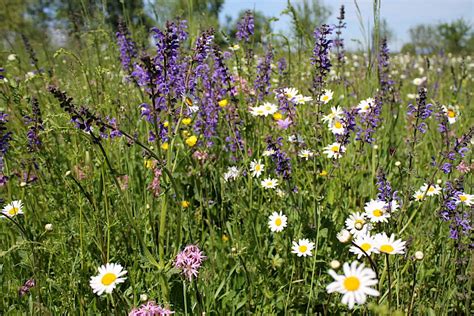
<point x="352" y="283"/>
<point x="431" y="189"/>
<point x="451" y="113"/>
<point x="366" y="247"/>
<point x="335" y="149"/>
<point x="337" y="125"/>
<point x="108" y="278"/>
<point x="386" y="248"/>
<point x="258" y="167"/>
<point x="325" y="97"/>
<point x="377" y="213"/>
<point x="13" y="211"/>
<point x="302" y="248"/>
<point x="278" y="222"/>
<point x="463" y="198"/>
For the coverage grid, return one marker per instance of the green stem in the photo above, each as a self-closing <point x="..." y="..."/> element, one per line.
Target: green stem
<point x="389" y="282"/>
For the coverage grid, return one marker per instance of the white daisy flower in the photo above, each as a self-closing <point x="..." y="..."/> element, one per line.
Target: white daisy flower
<point x="335" y="150"/>
<point x="277" y="222"/>
<point x="257" y="168"/>
<point x="376" y="211"/>
<point x="389" y="245"/>
<point x="367" y="243"/>
<point x="13" y="209"/>
<point x="109" y="276"/>
<point x="431" y="190"/>
<point x="355" y="284"/>
<point x="451" y="112"/>
<point x="337" y="127"/>
<point x="269" y="183"/>
<point x="258" y="111"/>
<point x="365" y="105"/>
<point x="357" y="225"/>
<point x="302" y="248"/>
<point x="290" y="93"/>
<point x="269" y="108"/>
<point x="300" y="99"/>
<point x="419" y="195"/>
<point x="466" y="199"/>
<point x="305" y="154"/>
<point x="326" y="96"/>
<point x="336" y="113"/>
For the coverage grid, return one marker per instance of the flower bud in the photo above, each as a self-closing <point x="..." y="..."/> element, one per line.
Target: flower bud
<point x="334" y="264"/>
<point x="48" y="227"/>
<point x="344" y="236"/>
<point x="419" y="255"/>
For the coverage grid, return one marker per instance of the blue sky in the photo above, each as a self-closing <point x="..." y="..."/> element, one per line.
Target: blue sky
<point x="400" y="14"/>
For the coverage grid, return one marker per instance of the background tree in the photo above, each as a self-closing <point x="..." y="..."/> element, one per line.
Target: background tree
<point x="455" y="35"/>
<point x="200" y="14"/>
<point x="306" y="15"/>
<point x="424" y="38"/>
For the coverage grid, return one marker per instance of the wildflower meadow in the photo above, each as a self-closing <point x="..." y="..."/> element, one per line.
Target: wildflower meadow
<point x="190" y="169"/>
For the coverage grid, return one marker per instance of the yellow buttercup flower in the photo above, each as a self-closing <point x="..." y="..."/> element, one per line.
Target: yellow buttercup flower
<point x="148" y="163"/>
<point x="323" y="173"/>
<point x="165" y="146"/>
<point x="187" y="121"/>
<point x="191" y="141"/>
<point x="223" y="103"/>
<point x="166" y="124"/>
<point x="277" y="116"/>
<point x="185" y="204"/>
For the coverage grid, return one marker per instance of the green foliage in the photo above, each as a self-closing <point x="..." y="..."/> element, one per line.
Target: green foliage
<point x="455" y="37"/>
